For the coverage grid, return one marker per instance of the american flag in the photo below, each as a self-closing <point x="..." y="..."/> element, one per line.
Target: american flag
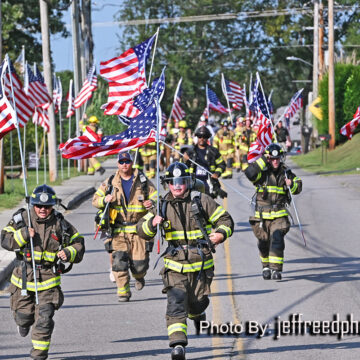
<point x="348" y="129"/>
<point x="35" y="87"/>
<point x="177" y="111"/>
<point x="126" y="77"/>
<point x="163" y="117"/>
<point x="89" y="86"/>
<point x="258" y="101"/>
<point x="41" y="118"/>
<point x="264" y="135"/>
<point x="7" y="115"/>
<point x="235" y="93"/>
<point x="296" y="103"/>
<point x="214" y="102"/>
<point x="57" y="96"/>
<point x="70" y="100"/>
<point x="205" y="113"/>
<point x="142" y="130"/>
<point x="24" y="107"/>
<point x="144" y="99"/>
<point x="255" y="151"/>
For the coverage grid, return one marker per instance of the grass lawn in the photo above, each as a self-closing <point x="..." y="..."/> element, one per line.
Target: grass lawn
<point x="345" y="157"/>
<point x="14" y="188"/>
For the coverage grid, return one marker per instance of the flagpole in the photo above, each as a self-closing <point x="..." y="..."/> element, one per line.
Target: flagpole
<point x="158" y="122"/>
<point x="60" y="130"/>
<point x="152" y="60"/>
<point x="207" y="102"/>
<point x="23" y="73"/>
<point x="246" y="102"/>
<point x="44" y="156"/>
<point x="288" y="107"/>
<point x="17" y="125"/>
<point x="266" y="104"/>
<point x="69" y="121"/>
<point x="223" y="85"/>
<point x="11" y="161"/>
<point x="37" y="154"/>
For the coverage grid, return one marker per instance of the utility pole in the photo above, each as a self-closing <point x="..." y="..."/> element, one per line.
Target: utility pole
<point x="76" y="56"/>
<point x="331" y="76"/>
<point x="45" y="36"/>
<point x="2" y="188"/>
<point x="316" y="50"/>
<point x="321" y="40"/>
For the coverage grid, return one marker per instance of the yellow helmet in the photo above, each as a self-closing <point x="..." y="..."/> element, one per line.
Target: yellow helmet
<point x="93" y="120"/>
<point x="182" y="124"/>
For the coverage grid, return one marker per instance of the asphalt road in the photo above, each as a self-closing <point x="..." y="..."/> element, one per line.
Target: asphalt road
<point x="319" y="281"/>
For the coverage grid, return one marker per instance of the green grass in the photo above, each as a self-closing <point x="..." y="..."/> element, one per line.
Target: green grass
<point x="344" y="157"/>
<point x="14" y="188"/>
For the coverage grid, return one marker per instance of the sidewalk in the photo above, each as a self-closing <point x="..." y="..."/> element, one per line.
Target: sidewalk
<point x="72" y="192"/>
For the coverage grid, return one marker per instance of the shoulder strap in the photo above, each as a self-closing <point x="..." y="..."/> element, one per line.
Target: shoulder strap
<point x="65" y="227"/>
<point x="144" y="185"/>
<point x="110" y="186"/>
<point x="163" y="207"/>
<point x="196" y="199"/>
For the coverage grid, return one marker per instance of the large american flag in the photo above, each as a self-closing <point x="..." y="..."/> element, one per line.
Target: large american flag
<point x="70" y="100"/>
<point x="259" y="101"/>
<point x="142" y="130"/>
<point x="348" y="129"/>
<point x="296" y="103"/>
<point x="24" y="108"/>
<point x="35" y="87"/>
<point x="89" y="86"/>
<point x="235" y="93"/>
<point x="177" y="111"/>
<point x="126" y="77"/>
<point x="214" y="103"/>
<point x="144" y="99"/>
<point x="265" y="132"/>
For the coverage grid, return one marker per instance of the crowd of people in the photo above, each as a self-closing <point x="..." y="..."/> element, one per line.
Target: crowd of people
<point x="193" y="224"/>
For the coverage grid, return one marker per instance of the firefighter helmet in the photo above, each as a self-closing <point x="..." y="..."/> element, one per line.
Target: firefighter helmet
<point x="43" y="195"/>
<point x="182" y="124"/>
<point x="225" y="123"/>
<point x="178" y="174"/>
<point x="203" y="131"/>
<point x="275" y="151"/>
<point x="93" y="120"/>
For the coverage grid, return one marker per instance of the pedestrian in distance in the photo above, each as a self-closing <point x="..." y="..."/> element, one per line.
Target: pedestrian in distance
<point x="55" y="242"/>
<point x="270" y="223"/>
<point x="130" y="195"/>
<point x="187" y="217"/>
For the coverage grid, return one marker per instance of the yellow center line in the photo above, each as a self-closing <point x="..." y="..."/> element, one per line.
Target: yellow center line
<point x="230" y="284"/>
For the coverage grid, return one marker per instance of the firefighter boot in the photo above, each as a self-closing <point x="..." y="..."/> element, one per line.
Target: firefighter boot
<point x="266" y="273"/>
<point x="23" y="331"/>
<point x="178" y="353"/>
<point x="125" y="298"/>
<point x="139" y="283"/>
<point x="101" y="170"/>
<point x="275" y="275"/>
<point x="197" y="322"/>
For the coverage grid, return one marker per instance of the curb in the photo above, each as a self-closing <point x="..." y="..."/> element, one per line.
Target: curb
<point x="80" y="197"/>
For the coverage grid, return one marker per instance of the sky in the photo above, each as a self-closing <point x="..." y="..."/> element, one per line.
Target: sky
<point x="105" y="38"/>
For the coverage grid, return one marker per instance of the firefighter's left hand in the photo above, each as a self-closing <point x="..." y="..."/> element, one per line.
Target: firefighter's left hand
<point x="216" y="238"/>
<point x="62" y="255"/>
<point x="215" y="176"/>
<point x="288" y="182"/>
<point x="148" y="204"/>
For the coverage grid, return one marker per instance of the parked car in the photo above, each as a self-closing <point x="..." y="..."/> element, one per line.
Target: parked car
<point x="296" y="150"/>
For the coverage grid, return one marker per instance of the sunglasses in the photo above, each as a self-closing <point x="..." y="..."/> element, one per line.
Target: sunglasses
<point x="121" y="162"/>
<point x="202" y="137"/>
<point x="43" y="206"/>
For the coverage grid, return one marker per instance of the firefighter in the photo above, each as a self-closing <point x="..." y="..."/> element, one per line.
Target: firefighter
<point x="131" y="196"/>
<point x="183" y="138"/>
<point x="273" y="181"/>
<point x="282" y="136"/>
<point x="94" y="164"/>
<point x="239" y="129"/>
<point x="248" y="137"/>
<point x="224" y="141"/>
<point x="54" y="240"/>
<point x="187" y="217"/>
<point x="209" y="158"/>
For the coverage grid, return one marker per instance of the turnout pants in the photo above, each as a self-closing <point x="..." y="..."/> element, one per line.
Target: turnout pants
<point x="187" y="297"/>
<point x="271" y="241"/>
<point x="129" y="253"/>
<point x="26" y="313"/>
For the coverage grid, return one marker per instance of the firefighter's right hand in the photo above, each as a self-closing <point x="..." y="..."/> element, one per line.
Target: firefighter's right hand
<point x="31" y="232"/>
<point x="186" y="156"/>
<point x="108" y="198"/>
<point x="157" y="220"/>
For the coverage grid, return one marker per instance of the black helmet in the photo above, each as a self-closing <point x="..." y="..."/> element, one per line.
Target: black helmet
<point x="178" y="173"/>
<point x="43" y="195"/>
<point x="225" y="123"/>
<point x="275" y="151"/>
<point x="203" y="131"/>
